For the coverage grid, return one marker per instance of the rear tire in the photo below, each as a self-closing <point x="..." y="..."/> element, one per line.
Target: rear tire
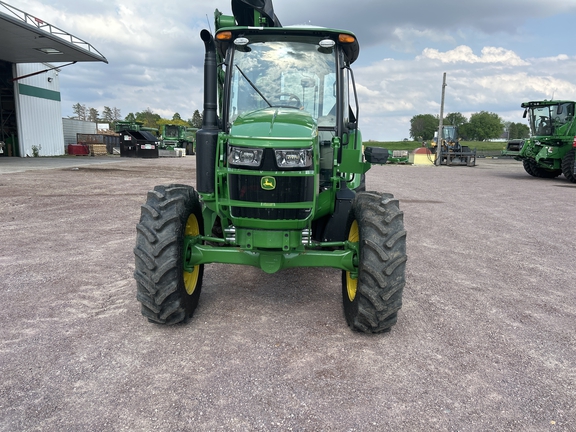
<point x="532" y="168"/>
<point x="568" y="166"/>
<point x="168" y="294"/>
<point x="362" y="186"/>
<point x="372" y="301"/>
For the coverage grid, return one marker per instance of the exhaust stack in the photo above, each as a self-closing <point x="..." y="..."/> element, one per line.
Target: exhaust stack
<point x="207" y="137"/>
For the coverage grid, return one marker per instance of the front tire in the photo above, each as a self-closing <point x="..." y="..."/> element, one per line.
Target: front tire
<point x="372" y="301"/>
<point x="168" y="294"/>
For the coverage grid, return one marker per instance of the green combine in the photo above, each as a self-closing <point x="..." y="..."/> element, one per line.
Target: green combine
<point x="279" y="176"/>
<point x="178" y="136"/>
<point x="550" y="150"/>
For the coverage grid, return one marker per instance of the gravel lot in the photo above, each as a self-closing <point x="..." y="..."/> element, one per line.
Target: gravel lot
<point x="485" y="340"/>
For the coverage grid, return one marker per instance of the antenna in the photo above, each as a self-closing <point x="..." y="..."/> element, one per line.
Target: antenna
<point x="208" y="21"/>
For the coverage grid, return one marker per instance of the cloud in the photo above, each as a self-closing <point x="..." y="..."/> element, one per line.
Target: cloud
<point x="393" y="21"/>
<point x="496" y="54"/>
<point x="465" y="54"/>
<point x="497" y="80"/>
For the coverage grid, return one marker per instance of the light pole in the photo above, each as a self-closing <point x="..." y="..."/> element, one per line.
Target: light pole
<point x="441" y="125"/>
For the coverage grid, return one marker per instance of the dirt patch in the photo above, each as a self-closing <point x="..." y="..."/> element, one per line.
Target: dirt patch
<point x="485" y="339"/>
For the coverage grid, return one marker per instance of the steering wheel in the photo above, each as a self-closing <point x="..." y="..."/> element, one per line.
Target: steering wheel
<point x="292" y="102"/>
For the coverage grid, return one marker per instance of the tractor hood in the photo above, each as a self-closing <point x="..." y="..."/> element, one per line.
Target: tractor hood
<point x="275" y="122"/>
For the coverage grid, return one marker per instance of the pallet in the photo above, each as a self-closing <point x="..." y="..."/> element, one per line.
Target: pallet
<point x="98" y="149"/>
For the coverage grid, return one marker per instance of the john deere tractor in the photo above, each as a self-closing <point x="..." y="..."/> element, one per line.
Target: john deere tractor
<point x="279" y="176"/>
<point x="550" y="150"/>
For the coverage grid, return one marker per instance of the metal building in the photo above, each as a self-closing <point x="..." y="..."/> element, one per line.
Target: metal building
<point x="30" y="103"/>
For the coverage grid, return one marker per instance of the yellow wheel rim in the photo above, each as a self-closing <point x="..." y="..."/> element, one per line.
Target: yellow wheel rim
<point x="352" y="284"/>
<point x="191" y="278"/>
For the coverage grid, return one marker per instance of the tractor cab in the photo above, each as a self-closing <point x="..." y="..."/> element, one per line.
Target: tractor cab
<point x="549" y="119"/>
<point x="294" y="85"/>
<point x="450" y="134"/>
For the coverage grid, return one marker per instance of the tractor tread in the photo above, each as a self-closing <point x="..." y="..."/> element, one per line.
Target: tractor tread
<point x="568" y="166"/>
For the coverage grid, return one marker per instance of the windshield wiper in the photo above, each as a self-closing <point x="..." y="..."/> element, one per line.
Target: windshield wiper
<point x="253" y="86"/>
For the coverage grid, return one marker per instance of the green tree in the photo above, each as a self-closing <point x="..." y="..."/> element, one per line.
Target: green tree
<point x="512" y="131"/>
<point x="464" y="132"/>
<point x="196" y="120"/>
<point x="107" y="115"/>
<point x="93" y="115"/>
<point x="483" y="126"/>
<point x="116" y="114"/>
<point x="80" y="111"/>
<point x="176" y="122"/>
<point x="111" y="116"/>
<point x="423" y="125"/>
<point x="148" y="118"/>
<point x="130" y="117"/>
<point x="518" y="131"/>
<point x="455" y="119"/>
<point x="176" y="116"/>
<point x="522" y="130"/>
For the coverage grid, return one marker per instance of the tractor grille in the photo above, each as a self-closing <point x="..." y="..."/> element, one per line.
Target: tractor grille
<point x="287" y="190"/>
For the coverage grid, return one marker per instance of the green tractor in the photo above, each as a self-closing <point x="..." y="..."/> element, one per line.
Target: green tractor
<point x="178" y="136"/>
<point x="550" y="150"/>
<point x="280" y="176"/>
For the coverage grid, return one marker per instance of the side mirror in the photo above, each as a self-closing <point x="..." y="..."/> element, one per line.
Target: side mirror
<point x="525" y="113"/>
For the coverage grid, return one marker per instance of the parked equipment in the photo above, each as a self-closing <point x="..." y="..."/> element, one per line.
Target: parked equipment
<point x="451" y="152"/>
<point x="550" y="150"/>
<point x="177" y="136"/>
<point x="513" y="147"/>
<point x="399" y="157"/>
<point x="279" y="166"/>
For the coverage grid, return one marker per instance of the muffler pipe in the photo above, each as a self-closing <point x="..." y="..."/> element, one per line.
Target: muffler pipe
<point x="207" y="137"/>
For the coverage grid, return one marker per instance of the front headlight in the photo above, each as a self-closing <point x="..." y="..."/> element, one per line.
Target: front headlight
<point x="245" y="156"/>
<point x="300" y="158"/>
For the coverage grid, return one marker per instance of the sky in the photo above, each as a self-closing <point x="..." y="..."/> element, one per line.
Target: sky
<point x="496" y="54"/>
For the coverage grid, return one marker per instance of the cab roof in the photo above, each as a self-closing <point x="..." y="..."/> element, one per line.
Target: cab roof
<point x="352" y="49"/>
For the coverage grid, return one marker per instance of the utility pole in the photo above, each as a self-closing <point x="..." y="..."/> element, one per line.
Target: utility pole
<point x="441" y="126"/>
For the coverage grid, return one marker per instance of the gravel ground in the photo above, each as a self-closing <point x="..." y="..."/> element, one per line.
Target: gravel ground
<point x="485" y="340"/>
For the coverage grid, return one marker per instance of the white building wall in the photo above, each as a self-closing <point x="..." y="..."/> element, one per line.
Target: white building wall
<point x="39" y="111"/>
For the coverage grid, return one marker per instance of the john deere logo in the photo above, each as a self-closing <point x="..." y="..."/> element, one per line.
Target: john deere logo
<point x="268" y="183"/>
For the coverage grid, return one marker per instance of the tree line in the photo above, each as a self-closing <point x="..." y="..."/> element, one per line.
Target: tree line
<point x="147" y="117"/>
<point x="481" y="126"/>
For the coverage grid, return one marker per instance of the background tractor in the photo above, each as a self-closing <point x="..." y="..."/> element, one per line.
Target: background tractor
<point x="178" y="136"/>
<point x="550" y="150"/>
<point x="451" y="152"/>
<point x="280" y="173"/>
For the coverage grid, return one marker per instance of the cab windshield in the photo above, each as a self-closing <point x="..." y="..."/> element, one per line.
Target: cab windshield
<point x="544" y="120"/>
<point x="296" y="74"/>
